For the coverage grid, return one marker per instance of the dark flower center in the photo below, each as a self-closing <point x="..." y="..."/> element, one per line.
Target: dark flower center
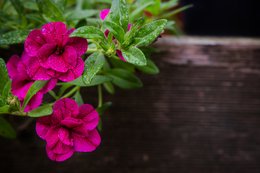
<point x="59" y="50"/>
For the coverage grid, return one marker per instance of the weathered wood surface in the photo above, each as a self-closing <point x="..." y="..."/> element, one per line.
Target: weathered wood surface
<point x="201" y="114"/>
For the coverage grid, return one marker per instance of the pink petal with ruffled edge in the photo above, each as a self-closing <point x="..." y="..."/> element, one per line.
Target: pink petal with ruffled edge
<point x="44" y="53"/>
<point x="64" y="108"/>
<point x="86" y="144"/>
<point x="73" y="73"/>
<point x="55" y="32"/>
<point x="103" y="14"/>
<point x="12" y="66"/>
<point x="43" y="124"/>
<point x="58" y="157"/>
<point x="34" y="42"/>
<point x="79" y="44"/>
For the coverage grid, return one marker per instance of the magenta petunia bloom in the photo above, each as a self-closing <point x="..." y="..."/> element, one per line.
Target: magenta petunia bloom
<point x="21" y="81"/>
<point x="58" y="55"/>
<point x="69" y="129"/>
<point x="103" y="14"/>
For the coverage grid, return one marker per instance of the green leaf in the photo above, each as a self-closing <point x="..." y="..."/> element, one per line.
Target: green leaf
<point x="63" y="88"/>
<point x="149" y="32"/>
<point x="155" y="8"/>
<point x="6" y="90"/>
<point x="4" y="109"/>
<point x="36" y="86"/>
<point x="119" y="13"/>
<point x="6" y="130"/>
<point x="118" y="63"/>
<point x="117" y="30"/>
<point x="109" y="87"/>
<point x="78" y="98"/>
<point x="134" y="56"/>
<point x="139" y="9"/>
<point x="93" y="65"/>
<point x="124" y="79"/>
<point x="41" y="111"/>
<point x="97" y="80"/>
<point x="150" y="68"/>
<point x="18" y="6"/>
<point x="169" y="4"/>
<point x="101" y="110"/>
<point x="81" y="14"/>
<point x="13" y="37"/>
<point x="50" y="10"/>
<point x="88" y="32"/>
<point x="4" y="75"/>
<point x="174" y="12"/>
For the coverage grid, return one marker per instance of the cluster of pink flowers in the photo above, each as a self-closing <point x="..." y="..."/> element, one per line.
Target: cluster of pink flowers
<point x="51" y="55"/>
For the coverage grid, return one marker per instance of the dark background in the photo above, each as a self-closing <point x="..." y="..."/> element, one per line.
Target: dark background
<point x="222" y="17"/>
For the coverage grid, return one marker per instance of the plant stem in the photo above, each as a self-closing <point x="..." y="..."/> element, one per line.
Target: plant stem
<point x="100" y="96"/>
<point x="71" y="92"/>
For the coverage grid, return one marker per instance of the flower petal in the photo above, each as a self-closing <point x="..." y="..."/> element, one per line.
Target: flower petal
<point x="58" y="157"/>
<point x="73" y="73"/>
<point x="120" y="55"/>
<point x="42" y="126"/>
<point x="103" y="14"/>
<point x="35" y="102"/>
<point x="12" y="66"/>
<point x="55" y="32"/>
<point x="64" y="108"/>
<point x="70" y="122"/>
<point x="20" y="86"/>
<point x="86" y="144"/>
<point x="89" y="115"/>
<point x="52" y="136"/>
<point x="49" y="86"/>
<point x="64" y="136"/>
<point x="44" y="53"/>
<point x="79" y="44"/>
<point x="34" y="42"/>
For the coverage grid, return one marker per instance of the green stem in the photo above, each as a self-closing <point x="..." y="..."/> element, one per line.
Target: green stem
<point x="100" y="96"/>
<point x="90" y="51"/>
<point x="71" y="92"/>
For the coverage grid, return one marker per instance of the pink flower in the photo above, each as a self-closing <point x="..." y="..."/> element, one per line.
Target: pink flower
<point x="103" y="14"/>
<point x="68" y="129"/>
<point x="58" y="55"/>
<point x="21" y="81"/>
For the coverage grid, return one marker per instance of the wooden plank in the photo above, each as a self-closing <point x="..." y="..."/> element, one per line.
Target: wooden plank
<point x="200" y="114"/>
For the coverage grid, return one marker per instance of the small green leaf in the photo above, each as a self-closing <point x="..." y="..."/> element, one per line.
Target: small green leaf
<point x="119" y="13"/>
<point x="50" y="10"/>
<point x="134" y="56"/>
<point x="93" y="65"/>
<point x="18" y="6"/>
<point x="118" y="63"/>
<point x="63" y="88"/>
<point x="117" y="30"/>
<point x="6" y="130"/>
<point x="169" y="4"/>
<point x="149" y="32"/>
<point x="174" y="12"/>
<point x="139" y="9"/>
<point x="97" y="80"/>
<point x="101" y="110"/>
<point x="36" y="86"/>
<point x="88" y="32"/>
<point x="150" y="68"/>
<point x="81" y="14"/>
<point x="109" y="87"/>
<point x="124" y="79"/>
<point x="4" y="75"/>
<point x="41" y="111"/>
<point x="13" y="37"/>
<point x="4" y="109"/>
<point x="78" y="98"/>
<point x="6" y="90"/>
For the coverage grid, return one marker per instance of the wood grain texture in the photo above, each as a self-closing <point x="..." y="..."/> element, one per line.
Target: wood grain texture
<point x="201" y="114"/>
